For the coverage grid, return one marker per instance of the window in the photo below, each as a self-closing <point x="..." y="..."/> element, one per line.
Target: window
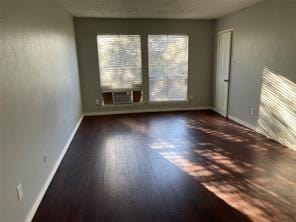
<point x="168" y="67"/>
<point x="120" y="62"/>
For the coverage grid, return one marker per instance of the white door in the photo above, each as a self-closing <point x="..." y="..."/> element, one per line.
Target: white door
<point x="223" y="71"/>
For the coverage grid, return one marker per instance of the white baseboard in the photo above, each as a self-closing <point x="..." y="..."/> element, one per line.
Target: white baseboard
<point x="174" y="109"/>
<point x="248" y="125"/>
<point x="52" y="173"/>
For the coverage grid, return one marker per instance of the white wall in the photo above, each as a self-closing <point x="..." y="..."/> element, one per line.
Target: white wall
<point x="263" y="74"/>
<point x="41" y="96"/>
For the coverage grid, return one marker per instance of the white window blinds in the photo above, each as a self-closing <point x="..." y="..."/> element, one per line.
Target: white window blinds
<point x="120" y="62"/>
<point x="168" y="67"/>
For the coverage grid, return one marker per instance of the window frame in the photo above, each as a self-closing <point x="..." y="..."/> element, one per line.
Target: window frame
<point x="101" y="91"/>
<point x="99" y="67"/>
<point x="188" y="97"/>
<point x="145" y="71"/>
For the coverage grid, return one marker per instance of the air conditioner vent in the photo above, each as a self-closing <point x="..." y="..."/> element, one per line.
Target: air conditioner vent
<point x="122" y="97"/>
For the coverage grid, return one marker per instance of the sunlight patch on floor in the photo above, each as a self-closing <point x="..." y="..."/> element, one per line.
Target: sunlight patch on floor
<point x="217" y="176"/>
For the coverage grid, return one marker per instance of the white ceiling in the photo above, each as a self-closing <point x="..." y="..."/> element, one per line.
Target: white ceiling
<point x="180" y="9"/>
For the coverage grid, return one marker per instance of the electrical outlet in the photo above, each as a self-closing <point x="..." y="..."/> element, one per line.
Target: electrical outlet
<point x="98" y="102"/>
<point x="252" y="111"/>
<point x="20" y="193"/>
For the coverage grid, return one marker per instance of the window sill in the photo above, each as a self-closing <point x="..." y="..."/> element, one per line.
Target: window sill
<point x="186" y="102"/>
<point x="122" y="105"/>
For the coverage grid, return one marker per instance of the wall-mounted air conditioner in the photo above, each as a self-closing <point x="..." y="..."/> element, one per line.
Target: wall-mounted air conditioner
<point x="122" y="97"/>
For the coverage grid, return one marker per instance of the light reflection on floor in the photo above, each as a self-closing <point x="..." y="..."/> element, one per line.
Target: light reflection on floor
<point x="246" y="184"/>
<point x="234" y="181"/>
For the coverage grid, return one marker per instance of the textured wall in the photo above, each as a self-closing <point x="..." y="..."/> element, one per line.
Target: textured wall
<point x="41" y="96"/>
<point x="1" y="116"/>
<point x="201" y="34"/>
<point x="263" y="73"/>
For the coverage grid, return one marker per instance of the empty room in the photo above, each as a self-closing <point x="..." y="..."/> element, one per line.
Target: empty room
<point x="147" y="110"/>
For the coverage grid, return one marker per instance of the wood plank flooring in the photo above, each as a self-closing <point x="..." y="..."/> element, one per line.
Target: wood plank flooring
<point x="178" y="166"/>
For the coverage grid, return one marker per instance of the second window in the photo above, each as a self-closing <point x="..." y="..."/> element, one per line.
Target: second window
<point x="168" y="67"/>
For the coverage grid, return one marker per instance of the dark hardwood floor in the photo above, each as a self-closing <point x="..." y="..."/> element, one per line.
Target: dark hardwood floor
<point x="179" y="166"/>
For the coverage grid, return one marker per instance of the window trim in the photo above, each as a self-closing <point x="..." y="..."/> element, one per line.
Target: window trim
<point x="145" y="71"/>
<point x="98" y="59"/>
<point x="171" y="102"/>
<point x="100" y="91"/>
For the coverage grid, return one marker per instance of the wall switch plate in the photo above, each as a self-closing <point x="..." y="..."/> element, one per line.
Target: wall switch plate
<point x="98" y="102"/>
<point x="20" y="193"/>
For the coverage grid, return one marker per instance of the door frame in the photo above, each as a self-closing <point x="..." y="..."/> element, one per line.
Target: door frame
<point x="230" y="67"/>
